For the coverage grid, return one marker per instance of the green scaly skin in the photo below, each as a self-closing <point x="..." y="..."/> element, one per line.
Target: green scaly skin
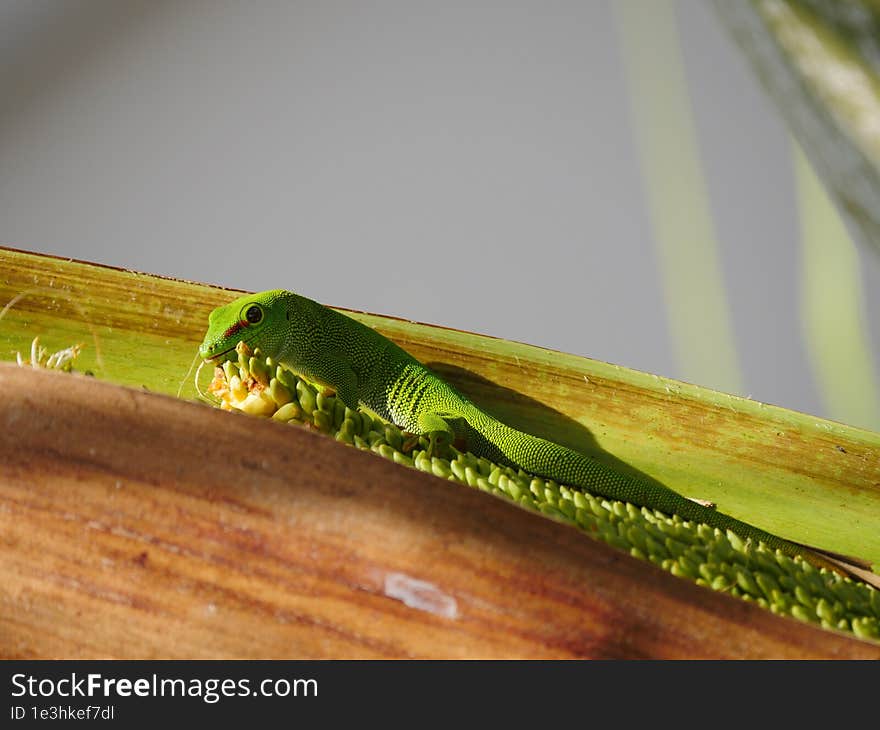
<point x="365" y="368"/>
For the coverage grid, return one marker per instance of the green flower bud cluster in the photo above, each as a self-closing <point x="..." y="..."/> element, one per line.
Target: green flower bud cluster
<point x="716" y="559"/>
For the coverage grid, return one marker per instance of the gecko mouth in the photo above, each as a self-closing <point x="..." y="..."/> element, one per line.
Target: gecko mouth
<point x="233" y="330"/>
<point x="217" y="356"/>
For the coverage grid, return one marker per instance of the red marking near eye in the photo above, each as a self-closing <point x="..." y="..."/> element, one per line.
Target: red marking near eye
<point x="235" y="328"/>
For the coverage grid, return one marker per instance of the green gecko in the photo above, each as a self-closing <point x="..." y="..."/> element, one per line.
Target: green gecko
<point x="367" y="369"/>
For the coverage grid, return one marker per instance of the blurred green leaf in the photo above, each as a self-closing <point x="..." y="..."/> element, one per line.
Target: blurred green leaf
<point x="820" y="61"/>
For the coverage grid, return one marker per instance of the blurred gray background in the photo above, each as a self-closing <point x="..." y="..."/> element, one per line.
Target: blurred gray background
<point x="465" y="164"/>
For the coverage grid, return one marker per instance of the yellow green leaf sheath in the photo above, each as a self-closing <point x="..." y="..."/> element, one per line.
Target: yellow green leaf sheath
<point x="367" y="369"/>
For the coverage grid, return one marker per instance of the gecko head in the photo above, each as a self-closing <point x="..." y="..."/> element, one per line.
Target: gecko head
<point x="256" y="319"/>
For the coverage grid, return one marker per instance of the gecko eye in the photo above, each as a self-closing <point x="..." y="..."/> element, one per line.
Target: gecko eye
<point x="254" y="314"/>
